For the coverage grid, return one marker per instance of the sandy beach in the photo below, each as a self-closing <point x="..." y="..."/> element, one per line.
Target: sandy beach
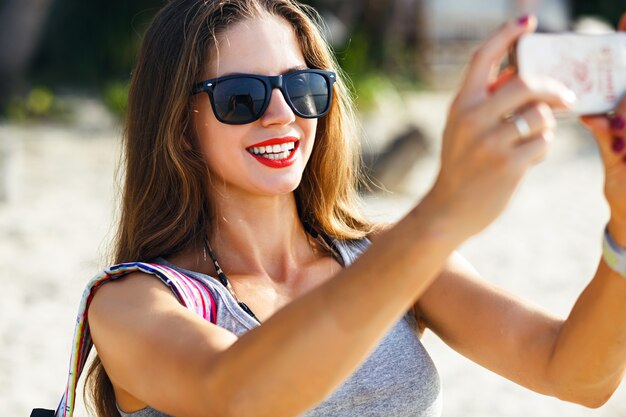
<point x="55" y="229"/>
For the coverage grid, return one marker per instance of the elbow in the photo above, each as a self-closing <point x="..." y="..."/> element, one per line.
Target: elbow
<point x="587" y="386"/>
<point x="590" y="396"/>
<point x="587" y="400"/>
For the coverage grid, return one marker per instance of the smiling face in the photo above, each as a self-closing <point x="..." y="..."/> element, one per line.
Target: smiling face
<point x="267" y="156"/>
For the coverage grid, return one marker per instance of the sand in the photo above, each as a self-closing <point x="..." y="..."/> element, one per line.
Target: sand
<point x="55" y="228"/>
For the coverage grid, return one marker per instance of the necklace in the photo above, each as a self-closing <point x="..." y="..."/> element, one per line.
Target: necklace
<point x="324" y="241"/>
<point x="224" y="280"/>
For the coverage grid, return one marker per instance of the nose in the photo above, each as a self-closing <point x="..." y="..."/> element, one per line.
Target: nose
<point x="278" y="111"/>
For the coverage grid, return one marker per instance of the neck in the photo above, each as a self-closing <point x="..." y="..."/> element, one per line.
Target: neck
<point x="260" y="235"/>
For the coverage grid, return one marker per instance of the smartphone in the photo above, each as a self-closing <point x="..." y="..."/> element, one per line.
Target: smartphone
<point x="593" y="66"/>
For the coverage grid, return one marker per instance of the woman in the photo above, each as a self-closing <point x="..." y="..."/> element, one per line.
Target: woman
<point x="241" y="165"/>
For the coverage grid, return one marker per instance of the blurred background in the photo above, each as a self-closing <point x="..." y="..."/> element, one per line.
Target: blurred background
<point x="64" y="71"/>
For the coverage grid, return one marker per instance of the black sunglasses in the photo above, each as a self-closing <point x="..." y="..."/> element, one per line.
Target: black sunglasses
<point x="243" y="98"/>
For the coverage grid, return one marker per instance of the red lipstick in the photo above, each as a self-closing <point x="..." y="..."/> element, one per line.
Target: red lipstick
<point x="275" y="141"/>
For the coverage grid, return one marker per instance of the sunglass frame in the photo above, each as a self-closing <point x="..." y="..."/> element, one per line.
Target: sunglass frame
<point x="270" y="83"/>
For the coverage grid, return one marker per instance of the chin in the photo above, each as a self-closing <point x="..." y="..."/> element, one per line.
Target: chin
<point x="278" y="190"/>
<point x="279" y="187"/>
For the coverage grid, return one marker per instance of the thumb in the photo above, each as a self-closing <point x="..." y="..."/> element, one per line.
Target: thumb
<point x="597" y="124"/>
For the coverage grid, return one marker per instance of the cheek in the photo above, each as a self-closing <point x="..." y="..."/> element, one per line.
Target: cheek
<point x="203" y="124"/>
<point x="309" y="129"/>
<point x="209" y="131"/>
<point x="218" y="145"/>
<point x="210" y="136"/>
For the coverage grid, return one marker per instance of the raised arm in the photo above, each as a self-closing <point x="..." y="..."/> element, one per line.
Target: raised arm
<point x="580" y="359"/>
<point x="590" y="352"/>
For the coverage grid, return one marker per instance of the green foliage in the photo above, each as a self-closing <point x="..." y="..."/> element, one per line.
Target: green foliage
<point x="368" y="79"/>
<point x="115" y="96"/>
<point x="367" y="87"/>
<point x="38" y="103"/>
<point x="365" y="81"/>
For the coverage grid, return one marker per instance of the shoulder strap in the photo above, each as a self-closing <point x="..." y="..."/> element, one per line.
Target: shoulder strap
<point x="191" y="294"/>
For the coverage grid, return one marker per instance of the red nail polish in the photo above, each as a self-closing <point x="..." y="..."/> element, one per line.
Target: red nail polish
<point x="618" y="122"/>
<point x="523" y="21"/>
<point x="619" y="144"/>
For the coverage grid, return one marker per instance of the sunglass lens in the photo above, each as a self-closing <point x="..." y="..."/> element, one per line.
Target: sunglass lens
<point x="309" y="93"/>
<point x="239" y="100"/>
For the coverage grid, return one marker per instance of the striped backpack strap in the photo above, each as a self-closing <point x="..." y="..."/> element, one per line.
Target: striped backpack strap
<point x="191" y="294"/>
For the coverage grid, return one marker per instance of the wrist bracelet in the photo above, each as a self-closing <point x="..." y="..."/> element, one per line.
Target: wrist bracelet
<point x="613" y="254"/>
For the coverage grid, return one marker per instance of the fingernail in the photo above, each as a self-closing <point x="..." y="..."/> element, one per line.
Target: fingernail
<point x="618" y="122"/>
<point x="619" y="144"/>
<point x="570" y="96"/>
<point x="523" y="21"/>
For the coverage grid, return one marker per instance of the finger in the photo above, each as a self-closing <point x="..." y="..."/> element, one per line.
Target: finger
<point x="617" y="119"/>
<point x="502" y="79"/>
<point x="597" y="124"/>
<point x="521" y="92"/>
<point x="617" y="126"/>
<point x="622" y="23"/>
<point x="537" y="119"/>
<point x="487" y="58"/>
<point x="609" y="131"/>
<point x="534" y="150"/>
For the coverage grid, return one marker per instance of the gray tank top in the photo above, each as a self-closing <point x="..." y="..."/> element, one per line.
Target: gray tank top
<point x="397" y="380"/>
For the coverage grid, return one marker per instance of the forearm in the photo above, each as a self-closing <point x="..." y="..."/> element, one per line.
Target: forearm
<point x="589" y="358"/>
<point x="311" y="346"/>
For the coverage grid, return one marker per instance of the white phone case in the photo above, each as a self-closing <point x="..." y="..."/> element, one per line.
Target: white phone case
<point x="593" y="66"/>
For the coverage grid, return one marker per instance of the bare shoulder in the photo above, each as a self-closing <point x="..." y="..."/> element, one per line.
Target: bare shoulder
<point x="142" y="305"/>
<point x="133" y="291"/>
<point x="151" y="346"/>
<point x="378" y="230"/>
<point x="129" y="302"/>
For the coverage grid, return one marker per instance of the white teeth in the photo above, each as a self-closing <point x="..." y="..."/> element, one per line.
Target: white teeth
<point x="275" y="156"/>
<point x="274" y="152"/>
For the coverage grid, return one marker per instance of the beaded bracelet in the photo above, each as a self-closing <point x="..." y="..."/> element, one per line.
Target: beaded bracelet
<point x="614" y="255"/>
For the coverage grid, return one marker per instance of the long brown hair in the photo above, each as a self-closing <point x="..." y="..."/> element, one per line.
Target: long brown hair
<point x="165" y="206"/>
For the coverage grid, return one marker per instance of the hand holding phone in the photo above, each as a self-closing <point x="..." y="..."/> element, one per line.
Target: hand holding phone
<point x="593" y="66"/>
